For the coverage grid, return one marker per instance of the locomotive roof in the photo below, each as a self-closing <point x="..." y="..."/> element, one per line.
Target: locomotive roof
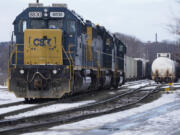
<point x="41" y="8"/>
<point x="24" y="14"/>
<point x="69" y="13"/>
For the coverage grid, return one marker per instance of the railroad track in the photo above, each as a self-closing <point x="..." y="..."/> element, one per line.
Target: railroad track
<point x="39" y="122"/>
<point x="136" y="82"/>
<point x="23" y="110"/>
<point x="129" y="84"/>
<point x="11" y="104"/>
<point x="16" y="112"/>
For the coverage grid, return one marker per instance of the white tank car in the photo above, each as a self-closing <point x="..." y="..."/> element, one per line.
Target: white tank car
<point x="164" y="70"/>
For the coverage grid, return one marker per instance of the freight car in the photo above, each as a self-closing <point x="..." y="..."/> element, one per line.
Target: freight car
<point x="136" y="68"/>
<point x="130" y="67"/>
<point x="57" y="53"/>
<point x="164" y="69"/>
<point x="143" y="67"/>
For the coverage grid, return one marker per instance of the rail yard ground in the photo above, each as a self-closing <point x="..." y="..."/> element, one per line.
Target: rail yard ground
<point x="146" y="109"/>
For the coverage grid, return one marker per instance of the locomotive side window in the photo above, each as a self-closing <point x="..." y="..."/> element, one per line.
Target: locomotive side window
<point x="55" y="24"/>
<point x="38" y="24"/>
<point x="20" y="26"/>
<point x="71" y="27"/>
<point x="108" y="41"/>
<point x="121" y="48"/>
<point x="24" y="25"/>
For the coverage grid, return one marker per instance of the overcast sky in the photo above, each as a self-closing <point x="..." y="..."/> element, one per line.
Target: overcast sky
<point x="139" y="18"/>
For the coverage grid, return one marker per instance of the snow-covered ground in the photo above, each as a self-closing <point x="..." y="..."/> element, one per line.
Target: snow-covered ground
<point x="161" y="117"/>
<point x="7" y="97"/>
<point x="141" y="84"/>
<point x="156" y="118"/>
<point x="3" y="87"/>
<point x="49" y="109"/>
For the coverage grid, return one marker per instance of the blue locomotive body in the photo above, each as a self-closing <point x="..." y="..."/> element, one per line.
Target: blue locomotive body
<point x="56" y="52"/>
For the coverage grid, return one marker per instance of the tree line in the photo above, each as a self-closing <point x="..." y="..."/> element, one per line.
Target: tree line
<point x="4" y="54"/>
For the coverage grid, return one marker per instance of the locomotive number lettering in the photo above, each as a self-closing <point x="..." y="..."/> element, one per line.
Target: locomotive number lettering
<point x="42" y="42"/>
<point x="35" y="14"/>
<point x="57" y="14"/>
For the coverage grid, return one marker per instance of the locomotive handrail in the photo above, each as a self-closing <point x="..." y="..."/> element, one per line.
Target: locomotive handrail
<point x="11" y="55"/>
<point x="109" y="55"/>
<point x="68" y="60"/>
<point x="69" y="52"/>
<point x="12" y="43"/>
<point x="18" y="51"/>
<point x="14" y="50"/>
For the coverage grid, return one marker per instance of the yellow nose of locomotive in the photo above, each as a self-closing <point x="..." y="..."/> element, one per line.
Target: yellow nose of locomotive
<point x="43" y="47"/>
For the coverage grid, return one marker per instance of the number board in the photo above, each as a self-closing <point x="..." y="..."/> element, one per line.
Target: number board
<point x="57" y="14"/>
<point x="35" y="14"/>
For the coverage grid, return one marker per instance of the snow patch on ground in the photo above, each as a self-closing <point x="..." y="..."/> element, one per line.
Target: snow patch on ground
<point x="59" y="107"/>
<point x="2" y="87"/>
<point x="176" y="86"/>
<point x="112" y="93"/>
<point x="50" y="109"/>
<point x="164" y="124"/>
<point x="8" y="97"/>
<point x="8" y="109"/>
<point x="84" y="126"/>
<point x="150" y="88"/>
<point x="137" y="86"/>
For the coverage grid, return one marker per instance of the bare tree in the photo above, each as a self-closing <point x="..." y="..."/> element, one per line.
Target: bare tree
<point x="3" y="62"/>
<point x="135" y="47"/>
<point x="174" y="28"/>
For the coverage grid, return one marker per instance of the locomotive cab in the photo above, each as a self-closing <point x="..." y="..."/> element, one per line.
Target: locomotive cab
<point x="39" y="57"/>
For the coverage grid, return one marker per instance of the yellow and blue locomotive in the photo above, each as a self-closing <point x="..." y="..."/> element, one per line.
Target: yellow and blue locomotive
<point x="56" y="52"/>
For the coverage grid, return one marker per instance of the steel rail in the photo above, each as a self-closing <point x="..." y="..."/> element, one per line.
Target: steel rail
<point x="63" y="117"/>
<point x="15" y="112"/>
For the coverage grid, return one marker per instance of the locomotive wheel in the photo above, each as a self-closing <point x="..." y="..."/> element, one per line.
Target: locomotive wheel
<point x="176" y="79"/>
<point x="30" y="100"/>
<point x="116" y="83"/>
<point x="122" y="80"/>
<point x="115" y="86"/>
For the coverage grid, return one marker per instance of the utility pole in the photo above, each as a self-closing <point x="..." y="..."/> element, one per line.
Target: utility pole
<point x="37" y="1"/>
<point x="156" y="38"/>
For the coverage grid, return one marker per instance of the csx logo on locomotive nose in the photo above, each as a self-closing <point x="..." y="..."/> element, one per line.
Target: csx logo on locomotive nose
<point x="42" y="42"/>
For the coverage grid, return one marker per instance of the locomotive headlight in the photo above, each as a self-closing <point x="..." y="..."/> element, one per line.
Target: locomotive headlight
<point x="21" y="71"/>
<point x="45" y="10"/>
<point x="54" y="71"/>
<point x="45" y="14"/>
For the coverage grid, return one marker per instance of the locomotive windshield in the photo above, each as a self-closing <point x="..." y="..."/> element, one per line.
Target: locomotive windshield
<point x="55" y="24"/>
<point x="38" y="24"/>
<point x="71" y="26"/>
<point x="44" y="24"/>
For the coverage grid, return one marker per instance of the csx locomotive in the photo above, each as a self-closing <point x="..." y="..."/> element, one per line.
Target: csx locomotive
<point x="54" y="52"/>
